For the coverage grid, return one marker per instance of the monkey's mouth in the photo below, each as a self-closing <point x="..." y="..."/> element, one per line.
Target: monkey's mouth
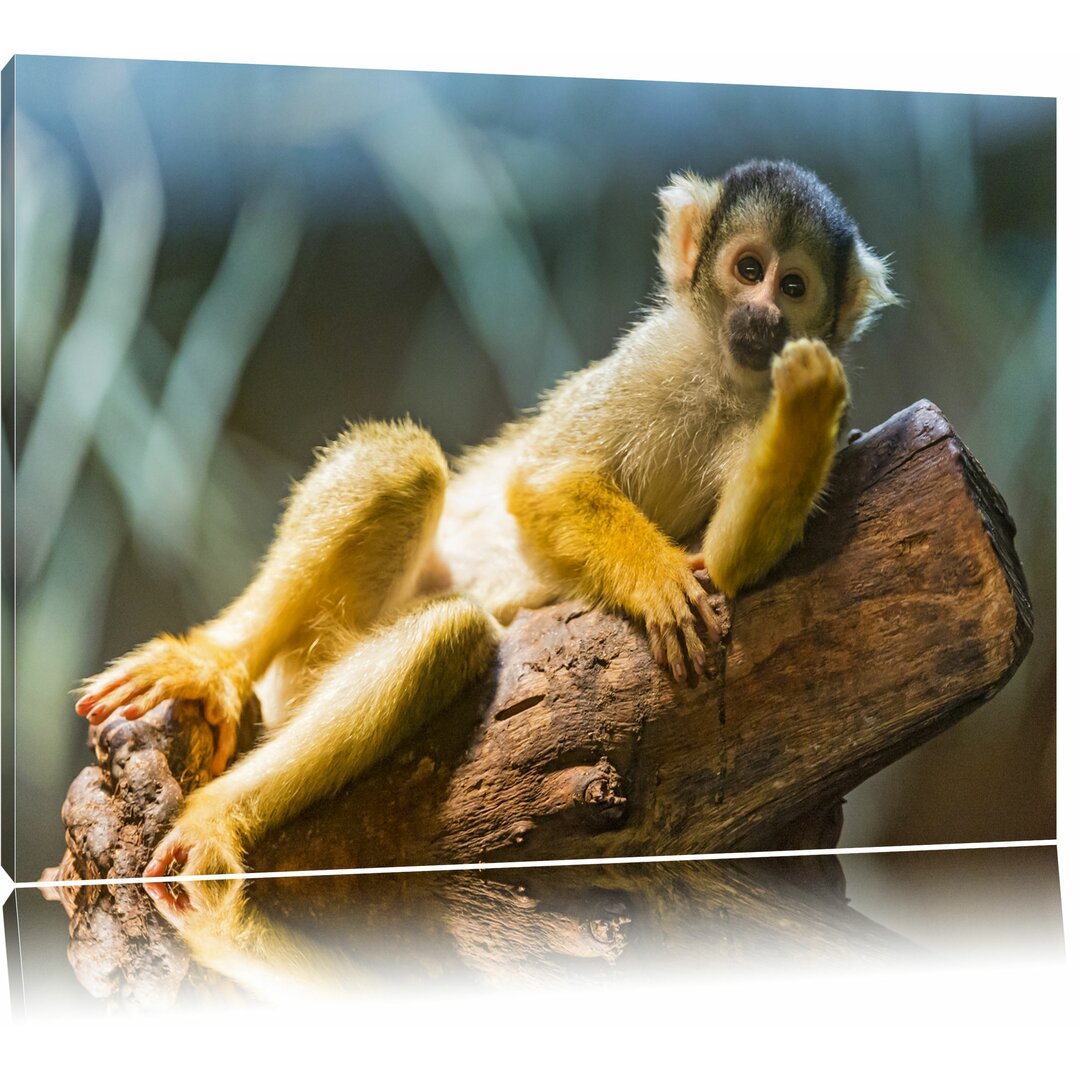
<point x="755" y="336"/>
<point x="755" y="357"/>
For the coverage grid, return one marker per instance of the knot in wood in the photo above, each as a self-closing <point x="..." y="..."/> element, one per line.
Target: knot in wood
<point x="603" y="791"/>
<point x="610" y="931"/>
<point x="521" y="830"/>
<point x="599" y="789"/>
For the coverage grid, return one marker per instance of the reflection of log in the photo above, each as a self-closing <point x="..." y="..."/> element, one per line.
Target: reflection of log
<point x="521" y="924"/>
<point x="904" y="608"/>
<point x="537" y="925"/>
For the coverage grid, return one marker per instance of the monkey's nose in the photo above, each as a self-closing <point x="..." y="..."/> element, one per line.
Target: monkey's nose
<point x="769" y="311"/>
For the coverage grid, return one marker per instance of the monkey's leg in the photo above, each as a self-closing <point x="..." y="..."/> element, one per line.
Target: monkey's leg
<point x="348" y="550"/>
<point x="268" y="958"/>
<point x="774" y="487"/>
<point x="265" y="956"/>
<point x="380" y="688"/>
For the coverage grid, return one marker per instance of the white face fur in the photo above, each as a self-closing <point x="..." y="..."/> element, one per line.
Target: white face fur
<point x="749" y="269"/>
<point x="765" y="296"/>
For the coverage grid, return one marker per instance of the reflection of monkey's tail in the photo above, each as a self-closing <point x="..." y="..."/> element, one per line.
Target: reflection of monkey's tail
<point x="382" y="686"/>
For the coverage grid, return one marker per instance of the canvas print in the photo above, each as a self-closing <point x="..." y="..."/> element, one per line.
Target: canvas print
<point x="413" y="469"/>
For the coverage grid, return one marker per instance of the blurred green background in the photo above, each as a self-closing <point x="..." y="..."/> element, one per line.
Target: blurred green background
<point x="218" y="265"/>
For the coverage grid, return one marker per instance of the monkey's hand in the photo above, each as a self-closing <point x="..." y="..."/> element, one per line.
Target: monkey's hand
<point x="668" y="605"/>
<point x="810" y="392"/>
<point x="609" y="552"/>
<point x="774" y="487"/>
<point x="192" y="668"/>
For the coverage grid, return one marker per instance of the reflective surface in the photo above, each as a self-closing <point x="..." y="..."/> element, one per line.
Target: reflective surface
<point x="556" y="927"/>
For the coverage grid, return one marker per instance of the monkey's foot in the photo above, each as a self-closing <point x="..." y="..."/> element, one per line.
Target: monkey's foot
<point x="196" y="845"/>
<point x="809" y="382"/>
<point x="192" y="668"/>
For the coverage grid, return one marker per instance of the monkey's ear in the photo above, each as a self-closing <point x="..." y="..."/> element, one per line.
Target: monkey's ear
<point x="866" y="292"/>
<point x="685" y="206"/>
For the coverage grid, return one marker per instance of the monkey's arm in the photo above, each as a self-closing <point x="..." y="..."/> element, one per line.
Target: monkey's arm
<point x="782" y="472"/>
<point x="607" y="551"/>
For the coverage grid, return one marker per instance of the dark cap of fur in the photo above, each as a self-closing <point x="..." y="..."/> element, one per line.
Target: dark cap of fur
<point x="800" y="202"/>
<point x="800" y="210"/>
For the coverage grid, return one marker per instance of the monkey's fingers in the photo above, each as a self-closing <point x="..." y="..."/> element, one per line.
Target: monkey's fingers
<point x="695" y="560"/>
<point x="694" y="649"/>
<point x="806" y="376"/>
<point x="170" y="857"/>
<point x="103" y="704"/>
<point x="170" y="898"/>
<point x="202" y="846"/>
<point x="131" y="681"/>
<point x="134" y="698"/>
<point x="699" y="598"/>
<point x="143" y="702"/>
<point x="666" y="648"/>
<point x="656" y="644"/>
<point x="713" y="625"/>
<point x="673" y="649"/>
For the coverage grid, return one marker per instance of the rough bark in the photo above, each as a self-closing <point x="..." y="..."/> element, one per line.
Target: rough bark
<point x="903" y="609"/>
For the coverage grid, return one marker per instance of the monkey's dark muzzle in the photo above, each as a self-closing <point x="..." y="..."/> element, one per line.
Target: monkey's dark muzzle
<point x="755" y="334"/>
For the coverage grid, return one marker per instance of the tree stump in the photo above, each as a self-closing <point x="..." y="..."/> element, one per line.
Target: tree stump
<point x="903" y="609"/>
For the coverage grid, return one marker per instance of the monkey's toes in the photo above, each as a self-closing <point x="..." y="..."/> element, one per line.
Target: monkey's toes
<point x="666" y="648"/>
<point x="97" y="688"/>
<point x="131" y="695"/>
<point x="695" y="651"/>
<point x="192" y="852"/>
<point x="169" y="858"/>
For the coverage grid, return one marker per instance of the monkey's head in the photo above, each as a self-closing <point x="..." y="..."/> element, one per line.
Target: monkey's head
<point x="764" y="254"/>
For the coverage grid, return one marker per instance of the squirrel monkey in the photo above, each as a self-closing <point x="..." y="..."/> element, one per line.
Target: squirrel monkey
<point x="383" y="592"/>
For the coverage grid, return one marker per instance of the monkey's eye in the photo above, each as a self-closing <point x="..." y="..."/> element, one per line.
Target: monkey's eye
<point x="792" y="285"/>
<point x="749" y="269"/>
